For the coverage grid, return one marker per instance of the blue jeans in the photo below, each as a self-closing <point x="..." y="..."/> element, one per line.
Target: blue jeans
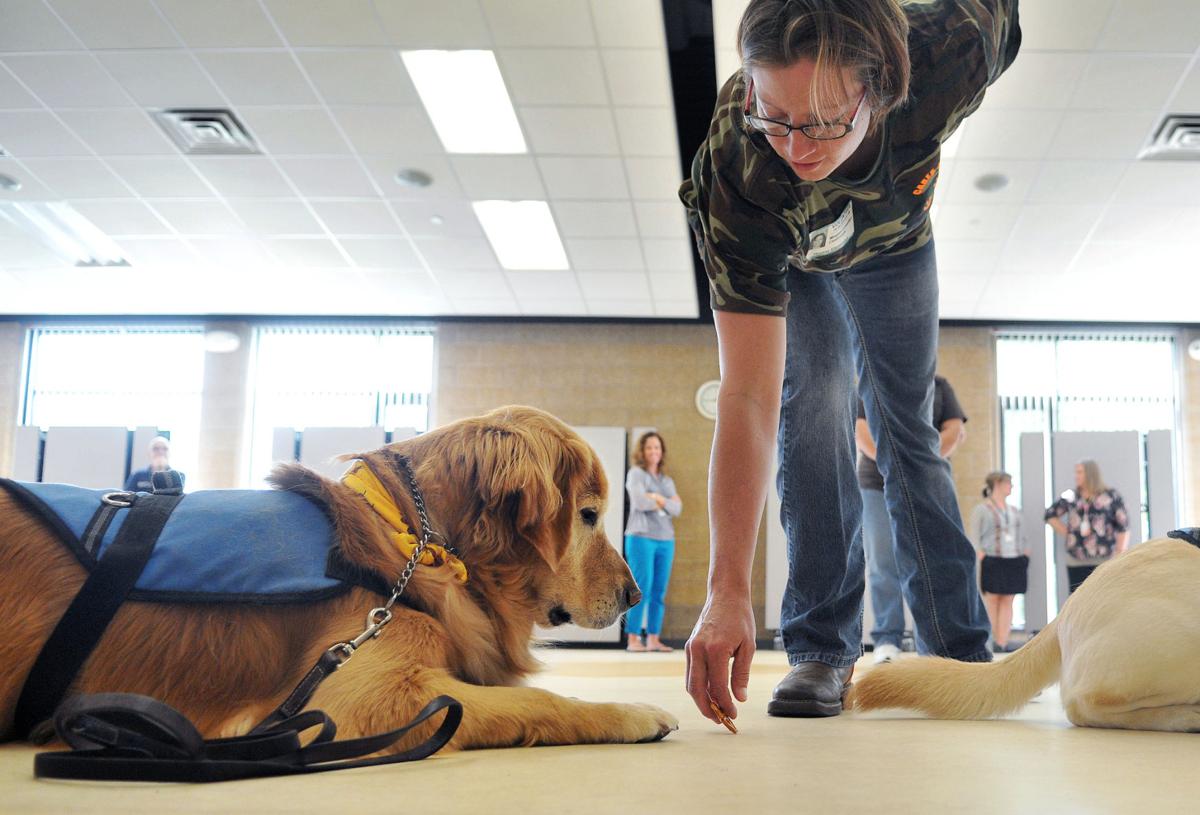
<point x="877" y="321"/>
<point x="650" y="561"/>
<point x="883" y="575"/>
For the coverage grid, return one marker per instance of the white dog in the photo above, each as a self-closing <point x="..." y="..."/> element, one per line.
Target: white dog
<point x="1125" y="649"/>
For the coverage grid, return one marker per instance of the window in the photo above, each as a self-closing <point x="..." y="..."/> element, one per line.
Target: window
<point x="119" y="376"/>
<point x="1049" y="383"/>
<point x="331" y="376"/>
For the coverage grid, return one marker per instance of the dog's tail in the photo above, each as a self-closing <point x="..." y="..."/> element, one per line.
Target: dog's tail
<point x="946" y="689"/>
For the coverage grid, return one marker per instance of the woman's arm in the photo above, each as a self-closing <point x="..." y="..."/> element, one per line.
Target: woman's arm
<point x="639" y="495"/>
<point x="674" y="504"/>
<point x="751" y="349"/>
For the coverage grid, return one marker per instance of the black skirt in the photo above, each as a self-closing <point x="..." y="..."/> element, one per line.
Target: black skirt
<point x="1005" y="575"/>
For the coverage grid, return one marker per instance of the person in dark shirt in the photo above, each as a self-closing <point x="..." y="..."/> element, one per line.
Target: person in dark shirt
<point x="883" y="574"/>
<point x="809" y="201"/>
<point x="160" y="452"/>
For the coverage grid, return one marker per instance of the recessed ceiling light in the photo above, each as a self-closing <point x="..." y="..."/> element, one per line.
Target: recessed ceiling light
<point x="991" y="182"/>
<point x="436" y="220"/>
<point x="9" y="184"/>
<point x="466" y="98"/>
<point x="410" y="177"/>
<point x="522" y="233"/>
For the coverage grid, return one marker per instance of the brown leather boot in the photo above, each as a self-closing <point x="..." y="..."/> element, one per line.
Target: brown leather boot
<point x="810" y="689"/>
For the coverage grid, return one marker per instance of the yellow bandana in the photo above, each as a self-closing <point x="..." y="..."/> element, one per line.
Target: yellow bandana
<point x="360" y="479"/>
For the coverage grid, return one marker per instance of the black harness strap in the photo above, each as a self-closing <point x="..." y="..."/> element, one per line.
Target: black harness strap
<point x="1190" y="534"/>
<point x="85" y="620"/>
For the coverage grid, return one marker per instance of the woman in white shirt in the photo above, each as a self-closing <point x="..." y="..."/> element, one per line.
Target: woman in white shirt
<point x="995" y="529"/>
<point x="650" y="539"/>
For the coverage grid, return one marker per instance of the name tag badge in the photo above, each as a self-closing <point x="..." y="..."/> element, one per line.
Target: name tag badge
<point x="833" y="237"/>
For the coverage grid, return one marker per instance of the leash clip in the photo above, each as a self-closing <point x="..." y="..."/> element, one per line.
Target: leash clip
<point x="117" y="499"/>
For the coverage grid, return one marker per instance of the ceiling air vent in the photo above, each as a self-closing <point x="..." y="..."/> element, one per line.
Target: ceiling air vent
<point x="206" y="132"/>
<point x="1176" y="139"/>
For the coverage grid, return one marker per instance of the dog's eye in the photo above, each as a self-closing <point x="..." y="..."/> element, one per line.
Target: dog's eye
<point x="589" y="516"/>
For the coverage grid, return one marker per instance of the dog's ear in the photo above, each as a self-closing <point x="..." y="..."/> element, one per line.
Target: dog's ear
<point x="523" y="476"/>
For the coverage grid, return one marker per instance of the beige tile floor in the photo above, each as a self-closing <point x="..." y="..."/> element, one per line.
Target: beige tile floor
<point x="1035" y="762"/>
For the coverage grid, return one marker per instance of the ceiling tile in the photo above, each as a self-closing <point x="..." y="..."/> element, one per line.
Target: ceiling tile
<point x="614" y="285"/>
<point x="554" y="23"/>
<point x="235" y="177"/>
<point x="233" y="253"/>
<point x="565" y="307"/>
<point x="221" y="23"/>
<point x="620" y="308"/>
<point x="1154" y="26"/>
<point x="544" y="285"/>
<point x="1160" y="182"/>
<point x="438" y="218"/>
<point x="258" y="77"/>
<point x="1118" y="135"/>
<point x="29" y="25"/>
<point x="500" y="177"/>
<point x="605" y="254"/>
<point x="584" y="178"/>
<point x="12" y="94"/>
<point x="1123" y="82"/>
<point x="21" y="252"/>
<point x="293" y="131"/>
<point x="119" y="132"/>
<point x="1076" y="182"/>
<point x="396" y="253"/>
<point x="489" y="306"/>
<point x="31" y="189"/>
<point x="647" y="131"/>
<point x="67" y="80"/>
<point x="668" y="254"/>
<point x="654" y="179"/>
<point x="1009" y="134"/>
<point x="321" y="23"/>
<point x="168" y="253"/>
<point x="460" y="24"/>
<point x="310" y="252"/>
<point x="37" y="133"/>
<point x="474" y="285"/>
<point x="121" y="217"/>
<point x="677" y="308"/>
<point x="328" y="177"/>
<point x="78" y="177"/>
<point x="638" y="76"/>
<point x="385" y="131"/>
<point x="160" y="177"/>
<point x="116" y="23"/>
<point x="456" y="254"/>
<point x="1063" y="25"/>
<point x="628" y="23"/>
<point x="363" y="77"/>
<point x="661" y="219"/>
<point x="356" y="217"/>
<point x="961" y="188"/>
<point x="579" y="131"/>
<point x="673" y="285"/>
<point x="967" y="258"/>
<point x="199" y="217"/>
<point x="553" y="76"/>
<point x="1145" y="222"/>
<point x="595" y="219"/>
<point x="383" y="169"/>
<point x="975" y="222"/>
<point x="162" y="79"/>
<point x="1037" y="79"/>
<point x="1188" y="97"/>
<point x="289" y="217"/>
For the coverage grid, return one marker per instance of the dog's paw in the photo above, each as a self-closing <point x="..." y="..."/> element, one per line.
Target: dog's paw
<point x="644" y="723"/>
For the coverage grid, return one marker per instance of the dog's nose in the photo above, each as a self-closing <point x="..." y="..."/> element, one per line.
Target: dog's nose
<point x="633" y="595"/>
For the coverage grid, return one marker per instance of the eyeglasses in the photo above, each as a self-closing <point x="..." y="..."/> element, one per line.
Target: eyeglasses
<point x="817" y="132"/>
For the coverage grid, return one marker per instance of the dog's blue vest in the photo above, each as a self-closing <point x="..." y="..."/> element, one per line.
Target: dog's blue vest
<point x="258" y="546"/>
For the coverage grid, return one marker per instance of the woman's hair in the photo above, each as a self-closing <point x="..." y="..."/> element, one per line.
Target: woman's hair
<point x="639" y="451"/>
<point x="868" y="36"/>
<point x="992" y="479"/>
<point x="1093" y="482"/>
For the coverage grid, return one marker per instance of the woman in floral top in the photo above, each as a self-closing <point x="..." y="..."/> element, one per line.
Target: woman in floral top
<point x="1093" y="521"/>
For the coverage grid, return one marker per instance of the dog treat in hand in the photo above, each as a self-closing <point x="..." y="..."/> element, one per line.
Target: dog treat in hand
<point x="725" y="720"/>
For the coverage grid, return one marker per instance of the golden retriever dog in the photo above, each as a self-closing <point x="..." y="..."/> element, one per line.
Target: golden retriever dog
<point x="516" y="492"/>
<point x="1125" y="650"/>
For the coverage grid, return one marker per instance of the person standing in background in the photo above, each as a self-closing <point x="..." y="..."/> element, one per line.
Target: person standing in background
<point x="650" y="539"/>
<point x="160" y="452"/>
<point x="883" y="573"/>
<point x="1092" y="519"/>
<point x="995" y="529"/>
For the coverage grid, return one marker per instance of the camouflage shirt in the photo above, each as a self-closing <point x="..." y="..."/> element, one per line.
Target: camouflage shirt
<point x="753" y="218"/>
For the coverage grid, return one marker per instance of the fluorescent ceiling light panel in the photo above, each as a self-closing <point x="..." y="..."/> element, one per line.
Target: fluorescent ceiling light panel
<point x="64" y="231"/>
<point x="465" y="97"/>
<point x="522" y="233"/>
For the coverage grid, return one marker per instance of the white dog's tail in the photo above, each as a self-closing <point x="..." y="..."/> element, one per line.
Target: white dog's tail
<point x="946" y="689"/>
